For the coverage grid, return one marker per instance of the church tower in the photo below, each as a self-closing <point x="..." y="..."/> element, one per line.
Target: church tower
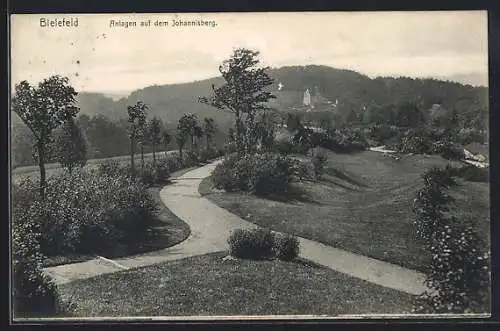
<point x="307" y="98"/>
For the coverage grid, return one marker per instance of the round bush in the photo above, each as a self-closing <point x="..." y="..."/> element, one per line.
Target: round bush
<point x="251" y="244"/>
<point x="161" y="171"/>
<point x="268" y="173"/>
<point x="191" y="159"/>
<point x="286" y="247"/>
<point x="303" y="171"/>
<point x="261" y="174"/>
<point x="224" y="177"/>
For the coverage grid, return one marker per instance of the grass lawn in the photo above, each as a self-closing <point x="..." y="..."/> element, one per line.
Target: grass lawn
<point x="206" y="285"/>
<point x="167" y="230"/>
<point x="51" y="169"/>
<point x="363" y="204"/>
<point x="34" y="168"/>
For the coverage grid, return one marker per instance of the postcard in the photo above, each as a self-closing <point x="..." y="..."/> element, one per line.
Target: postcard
<point x="275" y="165"/>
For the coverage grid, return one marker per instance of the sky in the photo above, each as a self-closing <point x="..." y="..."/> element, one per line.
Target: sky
<point x="98" y="57"/>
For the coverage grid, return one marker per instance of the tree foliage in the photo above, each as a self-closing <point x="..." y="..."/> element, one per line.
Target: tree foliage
<point x="136" y="127"/>
<point x="43" y="109"/>
<point x="209" y="128"/>
<point x="243" y="93"/>
<point x="458" y="273"/>
<point x="154" y="134"/>
<point x="189" y="129"/>
<point x="104" y="137"/>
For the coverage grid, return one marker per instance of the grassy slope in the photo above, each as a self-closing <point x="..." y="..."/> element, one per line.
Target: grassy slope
<point x="206" y="285"/>
<point x="19" y="173"/>
<point x="363" y="204"/>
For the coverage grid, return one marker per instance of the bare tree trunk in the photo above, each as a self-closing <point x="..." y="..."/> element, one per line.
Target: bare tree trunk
<point x="239" y="143"/>
<point x="132" y="152"/>
<point x="142" y="156"/>
<point x="154" y="153"/>
<point x="41" y="165"/>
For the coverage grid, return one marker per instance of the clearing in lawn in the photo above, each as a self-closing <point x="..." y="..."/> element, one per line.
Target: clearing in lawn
<point x="207" y="285"/>
<point x="363" y="204"/>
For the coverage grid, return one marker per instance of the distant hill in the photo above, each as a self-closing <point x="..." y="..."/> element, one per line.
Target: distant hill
<point x="338" y="91"/>
<point x="169" y="102"/>
<point x="332" y="91"/>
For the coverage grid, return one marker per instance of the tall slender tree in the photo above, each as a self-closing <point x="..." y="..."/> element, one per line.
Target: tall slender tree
<point x="136" y="126"/>
<point x="166" y="138"/>
<point x="189" y="127"/>
<point x="154" y="134"/>
<point x="243" y="93"/>
<point x="43" y="109"/>
<point x="209" y="129"/>
<point x="181" y="138"/>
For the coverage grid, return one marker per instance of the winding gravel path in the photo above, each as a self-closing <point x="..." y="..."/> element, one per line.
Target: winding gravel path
<point x="210" y="226"/>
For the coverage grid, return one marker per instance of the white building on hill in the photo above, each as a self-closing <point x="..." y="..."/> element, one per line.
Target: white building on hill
<point x="307" y="98"/>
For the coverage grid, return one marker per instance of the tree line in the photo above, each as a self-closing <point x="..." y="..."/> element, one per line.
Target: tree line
<point x="49" y="111"/>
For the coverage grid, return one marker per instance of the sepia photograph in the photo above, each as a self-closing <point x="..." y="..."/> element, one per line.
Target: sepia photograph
<point x="272" y="165"/>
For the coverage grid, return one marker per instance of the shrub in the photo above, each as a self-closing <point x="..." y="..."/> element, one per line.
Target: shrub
<point x="286" y="247"/>
<point x="251" y="244"/>
<point x="458" y="273"/>
<point x="288" y="147"/>
<point x="154" y="174"/>
<point x="207" y="155"/>
<point x="303" y="171"/>
<point x="269" y="173"/>
<point x="224" y="177"/>
<point x="221" y="152"/>
<point x="34" y="293"/>
<point x="284" y="146"/>
<point x="340" y="141"/>
<point x="161" y="171"/>
<point x="448" y="150"/>
<point x="467" y="136"/>
<point x="172" y="162"/>
<point x="415" y="142"/>
<point x="191" y="159"/>
<point x="261" y="174"/>
<point x="87" y="211"/>
<point x="263" y="244"/>
<point x="383" y="133"/>
<point x="147" y="174"/>
<point x="113" y="168"/>
<point x="319" y="161"/>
